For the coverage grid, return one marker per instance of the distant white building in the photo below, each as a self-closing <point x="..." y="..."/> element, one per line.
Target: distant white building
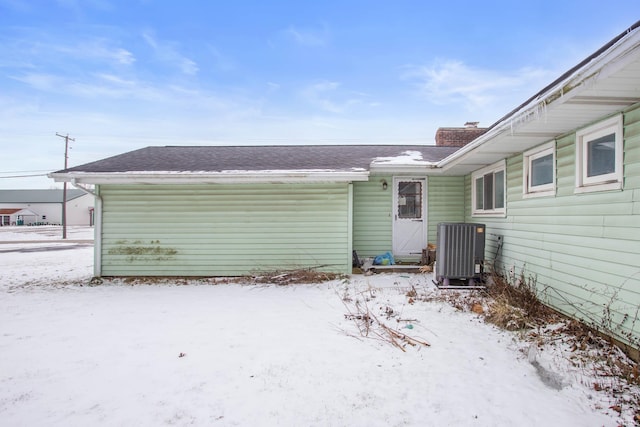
<point x="45" y="207"/>
<point x="16" y="216"/>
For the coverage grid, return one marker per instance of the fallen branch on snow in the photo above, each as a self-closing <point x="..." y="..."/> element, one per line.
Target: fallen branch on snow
<point x="370" y="326"/>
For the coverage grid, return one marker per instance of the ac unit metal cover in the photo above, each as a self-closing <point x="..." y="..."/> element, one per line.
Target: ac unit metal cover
<point x="460" y="251"/>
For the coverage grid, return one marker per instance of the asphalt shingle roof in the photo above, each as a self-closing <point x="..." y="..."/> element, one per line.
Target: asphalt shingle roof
<point x="256" y="158"/>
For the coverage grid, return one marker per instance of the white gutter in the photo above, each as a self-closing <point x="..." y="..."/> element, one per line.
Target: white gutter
<point x="410" y="169"/>
<point x="196" y="177"/>
<point x="97" y="228"/>
<point x="75" y="183"/>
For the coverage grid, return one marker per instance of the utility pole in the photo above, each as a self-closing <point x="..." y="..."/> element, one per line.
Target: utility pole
<point x="64" y="185"/>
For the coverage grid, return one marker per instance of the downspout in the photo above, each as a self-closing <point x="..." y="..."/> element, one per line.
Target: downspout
<point x="97" y="230"/>
<point x="350" y="227"/>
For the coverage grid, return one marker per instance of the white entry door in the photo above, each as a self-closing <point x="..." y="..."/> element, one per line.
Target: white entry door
<point x="409" y="216"/>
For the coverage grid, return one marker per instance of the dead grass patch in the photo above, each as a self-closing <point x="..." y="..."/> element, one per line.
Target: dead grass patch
<point x="516" y="306"/>
<point x="279" y="277"/>
<point x="291" y="277"/>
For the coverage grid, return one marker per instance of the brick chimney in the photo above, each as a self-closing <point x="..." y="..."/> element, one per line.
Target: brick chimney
<point x="458" y="137"/>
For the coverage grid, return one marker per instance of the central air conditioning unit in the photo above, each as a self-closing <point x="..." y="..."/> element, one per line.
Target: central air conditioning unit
<point x="459" y="253"/>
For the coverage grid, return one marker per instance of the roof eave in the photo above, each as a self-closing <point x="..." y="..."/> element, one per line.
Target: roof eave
<point x="426" y="168"/>
<point x="244" y="177"/>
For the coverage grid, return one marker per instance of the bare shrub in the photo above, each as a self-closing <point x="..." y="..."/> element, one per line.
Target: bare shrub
<point x="370" y="325"/>
<point x="516" y="306"/>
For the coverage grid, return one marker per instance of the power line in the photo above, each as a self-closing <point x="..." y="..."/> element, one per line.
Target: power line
<point x="22" y="176"/>
<point x="31" y="171"/>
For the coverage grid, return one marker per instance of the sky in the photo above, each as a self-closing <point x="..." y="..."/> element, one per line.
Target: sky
<point x="118" y="75"/>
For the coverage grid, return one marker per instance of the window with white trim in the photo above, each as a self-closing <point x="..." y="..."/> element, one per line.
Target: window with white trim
<point x="599" y="156"/>
<point x="539" y="166"/>
<point x="488" y="190"/>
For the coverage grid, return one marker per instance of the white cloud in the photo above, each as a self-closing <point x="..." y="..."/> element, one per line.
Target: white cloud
<point x="116" y="80"/>
<point x="40" y="81"/>
<point x="328" y="97"/>
<point x="454" y="82"/>
<point x="37" y="49"/>
<point x="106" y="85"/>
<point x="272" y="87"/>
<point x="168" y="52"/>
<point x="97" y="49"/>
<point x="319" y="94"/>
<point x="123" y="56"/>
<point x="308" y="37"/>
<point x="221" y="61"/>
<point x="111" y="86"/>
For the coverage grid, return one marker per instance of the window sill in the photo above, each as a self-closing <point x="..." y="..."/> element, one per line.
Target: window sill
<point x="611" y="186"/>
<point x="534" y="194"/>
<point x="489" y="214"/>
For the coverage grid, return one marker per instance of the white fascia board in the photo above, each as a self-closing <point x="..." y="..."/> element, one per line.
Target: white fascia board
<point x="226" y="177"/>
<point x="426" y="168"/>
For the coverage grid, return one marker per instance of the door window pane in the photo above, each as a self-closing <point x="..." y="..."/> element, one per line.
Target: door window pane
<point x="602" y="156"/>
<point x="410" y="200"/>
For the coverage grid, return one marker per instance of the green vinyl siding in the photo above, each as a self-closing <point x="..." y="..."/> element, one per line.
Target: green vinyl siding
<point x="445" y="202"/>
<point x="373" y="211"/>
<point x="582" y="250"/>
<point x="224" y="230"/>
<point x="372" y="221"/>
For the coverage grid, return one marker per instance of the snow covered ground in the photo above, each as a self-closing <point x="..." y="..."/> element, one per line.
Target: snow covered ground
<point x="45" y="232"/>
<point x="255" y="355"/>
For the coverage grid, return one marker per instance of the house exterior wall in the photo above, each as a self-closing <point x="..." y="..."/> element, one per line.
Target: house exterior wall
<point x="445" y="202"/>
<point x="582" y="250"/>
<point x="223" y="230"/>
<point x="373" y="211"/>
<point x="372" y="216"/>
